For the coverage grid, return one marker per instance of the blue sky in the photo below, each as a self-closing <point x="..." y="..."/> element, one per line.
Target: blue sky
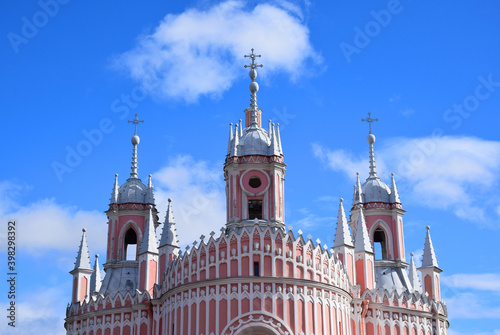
<point x="73" y="73"/>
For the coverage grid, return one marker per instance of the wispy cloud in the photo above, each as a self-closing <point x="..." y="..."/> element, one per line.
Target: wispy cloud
<point x="482" y="281"/>
<point x="198" y="196"/>
<point x="457" y="173"/>
<point x="47" y="224"/>
<point x="200" y="52"/>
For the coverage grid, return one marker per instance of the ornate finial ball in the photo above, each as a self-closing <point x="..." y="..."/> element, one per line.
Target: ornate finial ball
<point x="169" y="200"/>
<point x="252" y="74"/>
<point x="370" y="138"/>
<point x="96" y="255"/>
<point x="411" y="254"/>
<point x="254" y="87"/>
<point x="135" y="140"/>
<point x="84" y="230"/>
<point x="341" y="200"/>
<point x="427" y="227"/>
<point x="116" y="174"/>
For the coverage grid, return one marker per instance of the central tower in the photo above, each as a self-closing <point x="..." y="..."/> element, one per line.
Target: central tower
<point x="254" y="170"/>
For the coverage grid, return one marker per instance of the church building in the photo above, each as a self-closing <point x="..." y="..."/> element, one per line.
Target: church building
<point x="256" y="276"/>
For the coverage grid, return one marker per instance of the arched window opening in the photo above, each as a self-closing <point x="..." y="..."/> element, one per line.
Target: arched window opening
<point x="380" y="244"/>
<point x="130" y="245"/>
<point x="254" y="209"/>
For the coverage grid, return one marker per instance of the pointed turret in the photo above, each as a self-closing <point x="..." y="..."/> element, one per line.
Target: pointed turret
<point x="430" y="270"/>
<point x="429" y="257"/>
<point x="150" y="196"/>
<point x="413" y="275"/>
<point x="114" y="194"/>
<point x="230" y="141"/>
<point x="236" y="141"/>
<point x="169" y="244"/>
<point x="343" y="246"/>
<point x="358" y="192"/>
<point x="82" y="272"/>
<point x="342" y="235"/>
<point x="149" y="241"/>
<point x="278" y="138"/>
<point x="394" y="198"/>
<point x="362" y="241"/>
<point x="169" y="234"/>
<point x="148" y="256"/>
<point x="95" y="277"/>
<point x="363" y="255"/>
<point x="83" y="256"/>
<point x="274" y="147"/>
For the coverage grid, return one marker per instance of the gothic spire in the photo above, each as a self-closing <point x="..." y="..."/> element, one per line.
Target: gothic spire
<point x="149" y="240"/>
<point x="278" y="137"/>
<point x="371" y="139"/>
<point x="95" y="277"/>
<point x="254" y="87"/>
<point x="362" y="241"/>
<point x="412" y="273"/>
<point x="114" y="194"/>
<point x="342" y="234"/>
<point x="358" y="192"/>
<point x="83" y="257"/>
<point x="150" y="197"/>
<point x="135" y="143"/>
<point x="169" y="234"/>
<point x="429" y="257"/>
<point x="230" y="141"/>
<point x="394" y="191"/>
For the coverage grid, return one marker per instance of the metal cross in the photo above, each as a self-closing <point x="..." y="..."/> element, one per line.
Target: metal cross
<point x="369" y="120"/>
<point x="135" y="122"/>
<point x="253" y="56"/>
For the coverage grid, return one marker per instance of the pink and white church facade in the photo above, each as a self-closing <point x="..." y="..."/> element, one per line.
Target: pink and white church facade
<point x="256" y="276"/>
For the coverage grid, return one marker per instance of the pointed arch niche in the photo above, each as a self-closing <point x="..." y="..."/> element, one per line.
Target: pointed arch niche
<point x="382" y="240"/>
<point x="128" y="241"/>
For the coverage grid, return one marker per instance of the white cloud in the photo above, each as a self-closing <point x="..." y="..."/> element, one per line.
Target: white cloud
<point x="341" y="160"/>
<point x="39" y="312"/>
<point x="482" y="281"/>
<point x="46" y="224"/>
<point x="467" y="305"/>
<point x="444" y="172"/>
<point x="198" y="197"/>
<point x="200" y="52"/>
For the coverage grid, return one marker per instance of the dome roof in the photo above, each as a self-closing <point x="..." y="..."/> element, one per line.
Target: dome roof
<point x="254" y="142"/>
<point x="133" y="191"/>
<point x="375" y="190"/>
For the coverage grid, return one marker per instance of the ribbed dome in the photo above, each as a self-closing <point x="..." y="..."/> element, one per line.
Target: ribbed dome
<point x="133" y="191"/>
<point x="254" y="142"/>
<point x="375" y="190"/>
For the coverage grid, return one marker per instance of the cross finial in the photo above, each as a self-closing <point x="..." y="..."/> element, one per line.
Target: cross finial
<point x="369" y="120"/>
<point x="253" y="65"/>
<point x="135" y="122"/>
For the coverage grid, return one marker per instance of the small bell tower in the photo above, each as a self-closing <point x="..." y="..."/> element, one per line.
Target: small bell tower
<point x="430" y="270"/>
<point x="82" y="272"/>
<point x="382" y="209"/>
<point x="254" y="169"/>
